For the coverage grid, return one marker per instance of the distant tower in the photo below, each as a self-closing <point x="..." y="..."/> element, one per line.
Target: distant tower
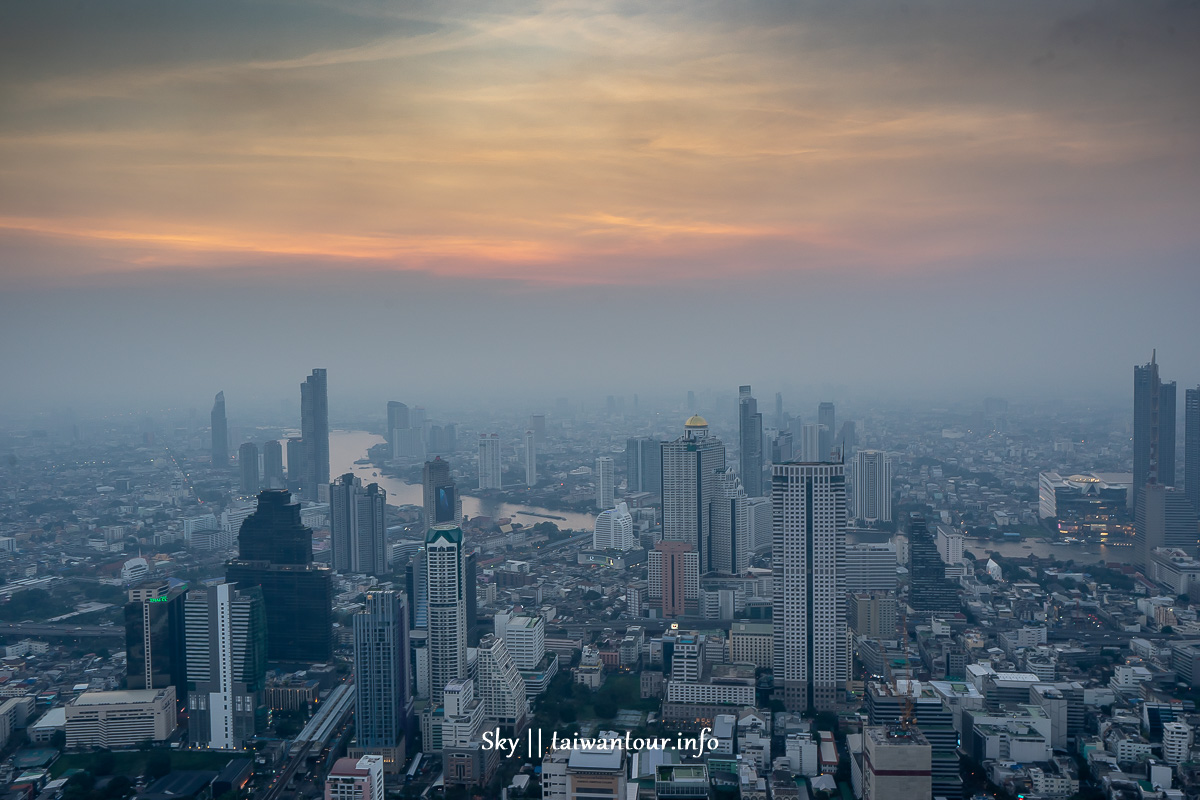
<point x="248" y="462"/>
<point x="825" y="418"/>
<point x="928" y="588"/>
<point x="1153" y="428"/>
<point x="220" y="433"/>
<point x="779" y="410"/>
<point x="808" y="558"/>
<point x="491" y="473"/>
<point x="643" y="465"/>
<point x="732" y="529"/>
<point x="382" y="702"/>
<point x="272" y="464"/>
<point x="439" y="493"/>
<point x="530" y="458"/>
<point x="1191" y="447"/>
<point x="446" y="584"/>
<point x="296" y="469"/>
<point x="314" y="430"/>
<point x="397" y="419"/>
<point x="358" y="526"/>
<point x="605" y="483"/>
<point x="537" y="423"/>
<point x="873" y="486"/>
<point x="750" y="439"/>
<point x="690" y="465"/>
<point x="810" y="444"/>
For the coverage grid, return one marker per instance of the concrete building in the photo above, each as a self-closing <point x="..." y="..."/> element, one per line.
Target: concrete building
<point x="750" y="443"/>
<point x="730" y="526"/>
<point x="446" y="585"/>
<point x="690" y="466"/>
<point x="121" y="719"/>
<point x="358" y="526"/>
<point x="606" y="486"/>
<point x="314" y="432"/>
<point x="584" y="774"/>
<point x="896" y="764"/>
<point x="871" y="567"/>
<point x="752" y="643"/>
<point x="872" y="486"/>
<point x="382" y="705"/>
<point x="1177" y="742"/>
<point x="491" y="471"/>
<point x="530" y="459"/>
<point x="614" y="529"/>
<point x="525" y="638"/>
<point x="356" y="779"/>
<point x="500" y="686"/>
<point x="673" y="578"/>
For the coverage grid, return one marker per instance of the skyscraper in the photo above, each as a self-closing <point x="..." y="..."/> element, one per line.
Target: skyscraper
<point x="605" y="483"/>
<point x="808" y="564"/>
<point x="275" y="554"/>
<point x="929" y="590"/>
<point x="272" y="465"/>
<point x="825" y="418"/>
<point x="491" y="473"/>
<point x="248" y="463"/>
<point x="296" y="469"/>
<point x="397" y="419"/>
<point x="614" y="529"/>
<point x="779" y="420"/>
<point x="382" y="702"/>
<point x="314" y="431"/>
<point x="690" y="466"/>
<point x="873" y="486"/>
<point x="1191" y="447"/>
<point x="1164" y="517"/>
<point x="358" y="526"/>
<point x="154" y="638"/>
<point x="439" y="493"/>
<point x="446" y="584"/>
<point x="220" y="433"/>
<point x="750" y="439"/>
<point x="416" y="575"/>
<point x="1153" y="428"/>
<point x="499" y="684"/>
<point x="731" y="528"/>
<point x="537" y="423"/>
<point x="225" y="631"/>
<point x="530" y="458"/>
<point x="810" y="443"/>
<point x="673" y="577"/>
<point x="643" y="465"/>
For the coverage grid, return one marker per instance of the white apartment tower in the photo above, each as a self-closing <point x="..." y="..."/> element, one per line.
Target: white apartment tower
<point x="500" y="686"/>
<point x="614" y="530"/>
<point x="605" y="483"/>
<point x="446" y="579"/>
<point x="873" y="486"/>
<point x="491" y="473"/>
<point x="808" y="559"/>
<point x="732" y="527"/>
<point x="358" y="526"/>
<point x="1177" y="742"/>
<point x="525" y="638"/>
<point x="690" y="466"/>
<point x="530" y="459"/>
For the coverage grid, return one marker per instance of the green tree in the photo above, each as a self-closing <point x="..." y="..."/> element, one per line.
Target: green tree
<point x="158" y="764"/>
<point x="104" y="763"/>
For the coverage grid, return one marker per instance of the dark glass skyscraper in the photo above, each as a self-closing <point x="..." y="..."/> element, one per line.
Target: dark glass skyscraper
<point x="154" y="638"/>
<point x="314" y="431"/>
<point x="220" y="433"/>
<point x="397" y="417"/>
<point x="275" y="553"/>
<point x="1153" y="428"/>
<point x="439" y="493"/>
<point x="1191" y="447"/>
<point x="750" y="442"/>
<point x="928" y="588"/>
<point x="643" y="465"/>
<point x="248" y="463"/>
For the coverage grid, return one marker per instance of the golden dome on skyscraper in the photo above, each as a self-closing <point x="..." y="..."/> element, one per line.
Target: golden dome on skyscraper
<point x="696" y="421"/>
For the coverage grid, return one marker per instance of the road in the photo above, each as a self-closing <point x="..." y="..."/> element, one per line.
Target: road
<point x="63" y="629"/>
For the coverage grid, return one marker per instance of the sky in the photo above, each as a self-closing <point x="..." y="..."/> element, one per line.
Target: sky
<point x="506" y="199"/>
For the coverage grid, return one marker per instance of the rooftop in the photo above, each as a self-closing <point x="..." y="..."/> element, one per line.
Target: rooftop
<point x="118" y="697"/>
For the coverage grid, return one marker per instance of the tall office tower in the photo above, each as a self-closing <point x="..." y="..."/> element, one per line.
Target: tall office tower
<point x="416" y="417"/>
<point x="782" y="449"/>
<point x="928" y="588"/>
<point x="537" y="423"/>
<point x="1191" y="446"/>
<point x="314" y="431"/>
<point x="1164" y="517"/>
<point x="870" y="567"/>
<point x="779" y="421"/>
<point x="358" y="526"/>
<point x="500" y="686"/>
<point x="382" y="703"/>
<point x="471" y="570"/>
<point x="530" y="459"/>
<point x="296" y="469"/>
<point x="673" y="577"/>
<point x="750" y="438"/>
<point x="690" y="466"/>
<point x="220" y="433"/>
<point x="439" y="493"/>
<point x="446" y="583"/>
<point x="356" y="779"/>
<point x="643" y="465"/>
<point x="605" y="483"/>
<point x="808" y="560"/>
<point x="1153" y="428"/>
<point x="732" y="531"/>
<point x="873" y="614"/>
<point x="248" y="463"/>
<point x="825" y="418"/>
<point x="154" y="643"/>
<point x="275" y="554"/>
<point x="226" y="641"/>
<point x="273" y="465"/>
<point x="691" y="400"/>
<point x="416" y="586"/>
<point x="896" y="763"/>
<point x="873" y="486"/>
<point x="397" y="419"/>
<point x="614" y="529"/>
<point x="491" y="473"/>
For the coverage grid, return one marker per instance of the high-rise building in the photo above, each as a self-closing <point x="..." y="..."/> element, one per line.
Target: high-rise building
<point x="929" y="590"/>
<point x="870" y="567"/>
<point x="296" y="469"/>
<point x="810" y="443"/>
<point x="382" y="702"/>
<point x="272" y="452"/>
<point x="750" y="438"/>
<point x="226" y="642"/>
<point x="887" y="704"/>
<point x="439" y="493"/>
<point x="220" y="433"/>
<point x="605" y="483"/>
<point x="1164" y="517"/>
<point x="358" y="526"/>
<point x="731" y="528"/>
<point x="397" y="419"/>
<point x="808" y="558"/>
<point x="1153" y="428"/>
<point x="314" y="431"/>
<point x="896" y="763"/>
<point x="491" y="473"/>
<point x="825" y="418"/>
<point x="446" y="583"/>
<point x="537" y="423"/>
<point x="416" y="588"/>
<point x="690" y="466"/>
<point x="530" y="458"/>
<point x="356" y="779"/>
<point x="779" y="420"/>
<point x="275" y="554"/>
<point x="248" y="463"/>
<point x="847" y="438"/>
<point x="873" y="486"/>
<point x="1191" y="447"/>
<point x="499" y="684"/>
<point x="471" y="570"/>
<point x="643" y="465"/>
<point x="614" y="529"/>
<point x="782" y="447"/>
<point x="873" y="614"/>
<point x="154" y="638"/>
<point x="525" y="638"/>
<point x="673" y="577"/>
